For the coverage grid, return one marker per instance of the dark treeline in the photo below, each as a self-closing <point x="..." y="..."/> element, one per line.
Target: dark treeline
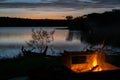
<point x="94" y="21"/>
<point x="20" y="22"/>
<point x="102" y="27"/>
<point x="107" y="19"/>
<point x="98" y="28"/>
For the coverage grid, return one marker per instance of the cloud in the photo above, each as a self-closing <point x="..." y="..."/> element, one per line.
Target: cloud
<point x="58" y="1"/>
<point x="75" y="4"/>
<point x="27" y="8"/>
<point x="86" y="0"/>
<point x="44" y="1"/>
<point x="27" y="1"/>
<point x="108" y="1"/>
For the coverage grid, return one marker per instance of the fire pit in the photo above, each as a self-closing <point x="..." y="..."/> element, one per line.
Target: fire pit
<point x="92" y="61"/>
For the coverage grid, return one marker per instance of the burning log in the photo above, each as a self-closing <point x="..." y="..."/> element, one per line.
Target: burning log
<point x="94" y="68"/>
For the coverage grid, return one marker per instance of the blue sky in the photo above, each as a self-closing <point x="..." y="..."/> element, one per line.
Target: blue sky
<point x="54" y="8"/>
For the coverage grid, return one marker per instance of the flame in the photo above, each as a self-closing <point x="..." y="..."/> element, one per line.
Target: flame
<point x="95" y="61"/>
<point x="96" y="64"/>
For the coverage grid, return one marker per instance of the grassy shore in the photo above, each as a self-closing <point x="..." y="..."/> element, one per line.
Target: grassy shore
<point x="41" y="68"/>
<point x="21" y="66"/>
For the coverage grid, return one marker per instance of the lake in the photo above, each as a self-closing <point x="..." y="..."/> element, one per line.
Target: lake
<point x="13" y="38"/>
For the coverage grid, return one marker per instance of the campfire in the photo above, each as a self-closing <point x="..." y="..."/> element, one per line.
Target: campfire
<point x="94" y="62"/>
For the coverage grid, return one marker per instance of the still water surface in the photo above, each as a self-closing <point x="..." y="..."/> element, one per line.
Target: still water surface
<point x="12" y="38"/>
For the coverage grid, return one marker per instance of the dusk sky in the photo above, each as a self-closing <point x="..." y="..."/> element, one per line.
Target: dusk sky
<point x="54" y="9"/>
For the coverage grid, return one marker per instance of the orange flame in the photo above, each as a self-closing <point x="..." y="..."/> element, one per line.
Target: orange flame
<point x="95" y="63"/>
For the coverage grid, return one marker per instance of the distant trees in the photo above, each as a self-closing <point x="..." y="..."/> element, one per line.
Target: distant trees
<point x="15" y="22"/>
<point x="69" y="17"/>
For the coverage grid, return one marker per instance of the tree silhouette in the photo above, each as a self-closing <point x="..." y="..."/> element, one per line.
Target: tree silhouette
<point x="40" y="39"/>
<point x="69" y="17"/>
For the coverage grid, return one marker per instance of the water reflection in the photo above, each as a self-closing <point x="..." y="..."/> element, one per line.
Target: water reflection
<point x="73" y="35"/>
<point x="12" y="38"/>
<point x="110" y="36"/>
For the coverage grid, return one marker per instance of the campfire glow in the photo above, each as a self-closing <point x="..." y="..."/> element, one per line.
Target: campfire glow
<point x="94" y="63"/>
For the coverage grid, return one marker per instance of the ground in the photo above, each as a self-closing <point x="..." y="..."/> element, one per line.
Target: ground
<point x="47" y="68"/>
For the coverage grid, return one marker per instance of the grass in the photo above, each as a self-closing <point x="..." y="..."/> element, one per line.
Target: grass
<point x="22" y="65"/>
<point x="38" y="65"/>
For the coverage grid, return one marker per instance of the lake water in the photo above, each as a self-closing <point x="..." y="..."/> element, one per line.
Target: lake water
<point x="13" y="38"/>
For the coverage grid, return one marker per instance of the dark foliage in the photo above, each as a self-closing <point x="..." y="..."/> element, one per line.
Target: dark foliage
<point x="30" y="53"/>
<point x="11" y="22"/>
<point x="102" y="27"/>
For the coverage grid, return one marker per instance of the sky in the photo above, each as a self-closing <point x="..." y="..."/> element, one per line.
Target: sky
<point x="54" y="9"/>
